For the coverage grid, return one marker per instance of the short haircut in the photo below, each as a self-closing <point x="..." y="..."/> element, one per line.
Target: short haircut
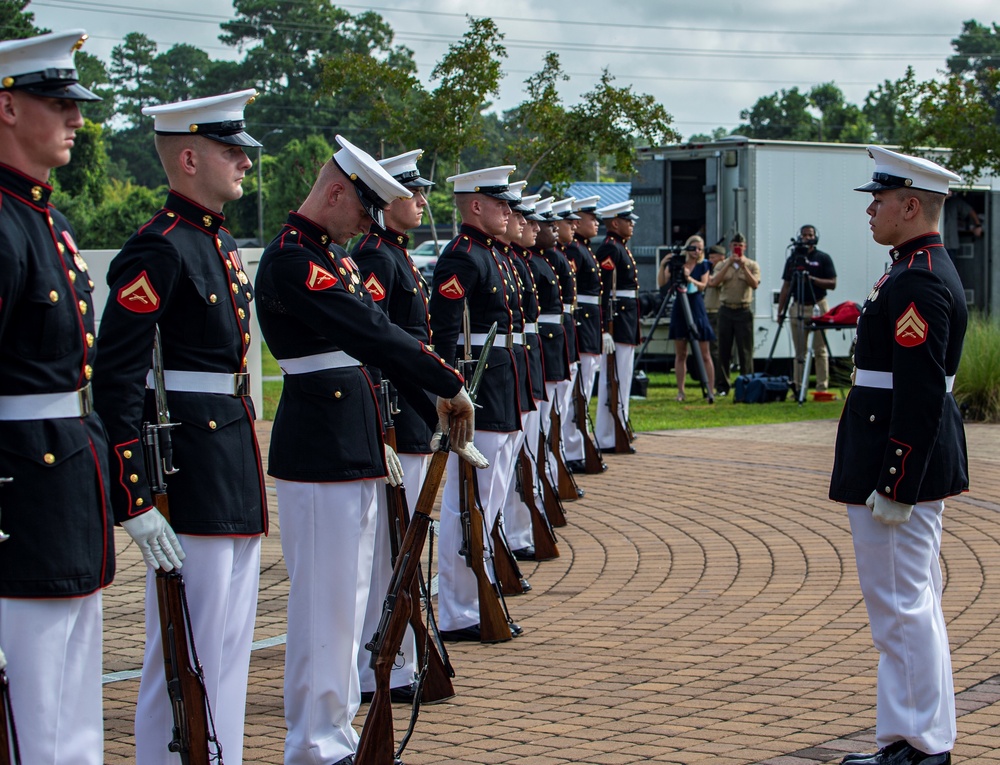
<point x="930" y="202"/>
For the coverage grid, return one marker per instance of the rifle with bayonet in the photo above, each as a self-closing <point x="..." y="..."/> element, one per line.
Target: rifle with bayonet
<point x="565" y="483"/>
<point x="435" y="682"/>
<point x="622" y="428"/>
<point x="10" y="751"/>
<point x="508" y="573"/>
<point x="541" y="530"/>
<point x="376" y="746"/>
<point x="193" y="737"/>
<point x="550" y="498"/>
<point x="494" y="625"/>
<point x="593" y="460"/>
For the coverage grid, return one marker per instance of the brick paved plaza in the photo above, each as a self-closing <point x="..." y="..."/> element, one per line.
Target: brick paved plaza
<point x="705" y="609"/>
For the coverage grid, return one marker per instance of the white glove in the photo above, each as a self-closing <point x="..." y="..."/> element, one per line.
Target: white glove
<point x="156" y="540"/>
<point x="608" y="342"/>
<point x="394" y="468"/>
<point x="472" y="455"/>
<point x="456" y="416"/>
<point x="888" y="511"/>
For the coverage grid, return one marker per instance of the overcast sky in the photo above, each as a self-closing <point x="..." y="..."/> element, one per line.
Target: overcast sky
<point x="704" y="60"/>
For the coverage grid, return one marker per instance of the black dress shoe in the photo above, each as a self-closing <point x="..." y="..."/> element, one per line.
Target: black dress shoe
<point x="525" y="586"/>
<point x="401" y="695"/>
<point x="580" y="492"/>
<point x="525" y="553"/>
<point x="576" y="466"/>
<point x="463" y="634"/>
<point x="515" y="629"/>
<point x="898" y="753"/>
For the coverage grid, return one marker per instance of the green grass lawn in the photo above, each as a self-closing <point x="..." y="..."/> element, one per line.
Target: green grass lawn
<point x="659" y="410"/>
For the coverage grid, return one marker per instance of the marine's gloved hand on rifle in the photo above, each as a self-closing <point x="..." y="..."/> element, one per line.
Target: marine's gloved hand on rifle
<point x="156" y="540"/>
<point x="888" y="511"/>
<point x="394" y="468"/>
<point x="457" y="417"/>
<point x="607" y="342"/>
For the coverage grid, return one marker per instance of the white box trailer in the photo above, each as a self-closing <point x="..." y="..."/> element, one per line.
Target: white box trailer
<point x="767" y="190"/>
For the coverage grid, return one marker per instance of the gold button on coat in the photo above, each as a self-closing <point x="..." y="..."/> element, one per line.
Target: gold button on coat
<point x="127" y="454"/>
<point x="337" y="394"/>
<point x="54" y="296"/>
<point x="134" y="478"/>
<point x="212" y="424"/>
<point x="83" y="306"/>
<point x="213" y="298"/>
<point x="88" y="371"/>
<point x="139" y="502"/>
<point x="49" y="458"/>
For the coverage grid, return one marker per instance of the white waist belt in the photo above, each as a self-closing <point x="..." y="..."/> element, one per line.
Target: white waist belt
<point x="868" y="378"/>
<point x="531" y="328"/>
<point x="502" y="340"/>
<point x="588" y="299"/>
<point x="627" y="294"/>
<point x="223" y="383"/>
<point x="517" y="338"/>
<point x="48" y="406"/>
<point x="568" y="310"/>
<point x="318" y="362"/>
<point x="550" y="318"/>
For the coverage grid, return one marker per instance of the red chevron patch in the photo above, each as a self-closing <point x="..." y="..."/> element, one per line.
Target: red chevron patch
<point x="375" y="288"/>
<point x="319" y="278"/>
<point x="911" y="328"/>
<point x="138" y="295"/>
<point x="452" y="289"/>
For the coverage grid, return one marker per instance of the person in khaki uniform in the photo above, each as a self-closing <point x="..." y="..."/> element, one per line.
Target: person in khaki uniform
<point x="736" y="277"/>
<point x="716" y="254"/>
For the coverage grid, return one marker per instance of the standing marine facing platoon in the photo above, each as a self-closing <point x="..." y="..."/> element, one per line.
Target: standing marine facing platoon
<point x="58" y="550"/>
<point x="327" y="454"/>
<point x="181" y="273"/>
<point x="900" y="451"/>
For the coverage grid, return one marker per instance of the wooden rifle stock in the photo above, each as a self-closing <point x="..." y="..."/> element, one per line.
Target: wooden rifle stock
<point x="505" y="567"/>
<point x="193" y="729"/>
<point x="436" y="684"/>
<point x="377" y="746"/>
<point x="550" y="499"/>
<point x="566" y="485"/>
<point x="592" y="459"/>
<point x="623" y="435"/>
<point x="493" y="624"/>
<point x="541" y="530"/>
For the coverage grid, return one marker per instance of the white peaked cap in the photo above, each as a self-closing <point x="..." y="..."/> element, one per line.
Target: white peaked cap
<point x="375" y="187"/>
<point x="403" y="167"/>
<point x="587" y="204"/>
<point x="219" y="118"/>
<point x="564" y="209"/>
<point x="492" y="181"/>
<point x="898" y="171"/>
<point x="544" y="207"/>
<point x="618" y="210"/>
<point x="43" y="66"/>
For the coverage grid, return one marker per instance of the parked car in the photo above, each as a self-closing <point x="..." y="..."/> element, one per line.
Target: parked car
<point x="425" y="257"/>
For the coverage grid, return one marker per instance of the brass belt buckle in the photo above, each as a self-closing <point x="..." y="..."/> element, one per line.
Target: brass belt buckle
<point x="509" y="342"/>
<point x="86" y="399"/>
<point x="241" y="384"/>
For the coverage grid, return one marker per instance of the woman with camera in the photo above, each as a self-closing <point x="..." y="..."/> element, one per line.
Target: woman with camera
<point x="690" y="281"/>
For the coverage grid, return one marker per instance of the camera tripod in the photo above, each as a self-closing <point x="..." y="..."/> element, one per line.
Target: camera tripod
<point x="672" y="291"/>
<point x="802" y="293"/>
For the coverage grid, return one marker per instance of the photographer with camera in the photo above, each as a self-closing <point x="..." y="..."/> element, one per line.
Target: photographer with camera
<point x="808" y="275"/>
<point x="736" y="277"/>
<point x="688" y="272"/>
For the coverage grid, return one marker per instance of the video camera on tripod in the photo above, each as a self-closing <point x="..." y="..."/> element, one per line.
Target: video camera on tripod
<point x="675" y="266"/>
<point x="802" y="246"/>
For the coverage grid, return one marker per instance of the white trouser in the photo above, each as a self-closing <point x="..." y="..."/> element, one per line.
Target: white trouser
<point x="404" y="668"/>
<point x="604" y="427"/>
<point x="573" y="438"/>
<point x="545" y="408"/>
<point x="901" y="581"/>
<point x="328" y="539"/>
<point x="53" y="648"/>
<point x="516" y="516"/>
<point x="458" y="594"/>
<point x="221" y="575"/>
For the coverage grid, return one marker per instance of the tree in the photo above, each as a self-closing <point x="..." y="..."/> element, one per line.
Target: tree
<point x="883" y="107"/>
<point x="16" y="23"/>
<point x="86" y="177"/>
<point x="131" y="73"/>
<point x="783" y="115"/>
<point x="977" y="49"/>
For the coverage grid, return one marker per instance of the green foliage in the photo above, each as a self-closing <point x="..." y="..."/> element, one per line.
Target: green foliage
<point x="288" y="176"/>
<point x="792" y="115"/>
<point x="977" y="49"/>
<point x="884" y="108"/>
<point x="977" y="384"/>
<point x="87" y="175"/>
<point x="16" y="23"/>
<point x="108" y="225"/>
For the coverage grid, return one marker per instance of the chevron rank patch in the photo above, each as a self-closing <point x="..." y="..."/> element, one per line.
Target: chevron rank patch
<point x="138" y="295"/>
<point x="911" y="328"/>
<point x="319" y="278"/>
<point x="375" y="288"/>
<point x="452" y="289"/>
<point x="607" y="264"/>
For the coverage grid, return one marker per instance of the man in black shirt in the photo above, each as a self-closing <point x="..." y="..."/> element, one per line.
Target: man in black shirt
<point x="808" y="275"/>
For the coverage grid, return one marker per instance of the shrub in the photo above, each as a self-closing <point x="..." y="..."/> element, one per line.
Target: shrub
<point x="977" y="385"/>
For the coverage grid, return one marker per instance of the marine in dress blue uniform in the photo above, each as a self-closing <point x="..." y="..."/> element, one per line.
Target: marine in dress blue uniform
<point x="620" y="299"/>
<point x="587" y="317"/>
<point x="327" y="455"/>
<point x="469" y="273"/>
<point x="181" y="272"/>
<point x="397" y="288"/>
<point x="900" y="452"/>
<point x="59" y="554"/>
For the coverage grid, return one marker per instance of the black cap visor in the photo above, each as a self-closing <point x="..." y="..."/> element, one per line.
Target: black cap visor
<point x="413" y="181"/>
<point x="497" y="192"/>
<point x="885" y="182"/>
<point x="71" y="91"/>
